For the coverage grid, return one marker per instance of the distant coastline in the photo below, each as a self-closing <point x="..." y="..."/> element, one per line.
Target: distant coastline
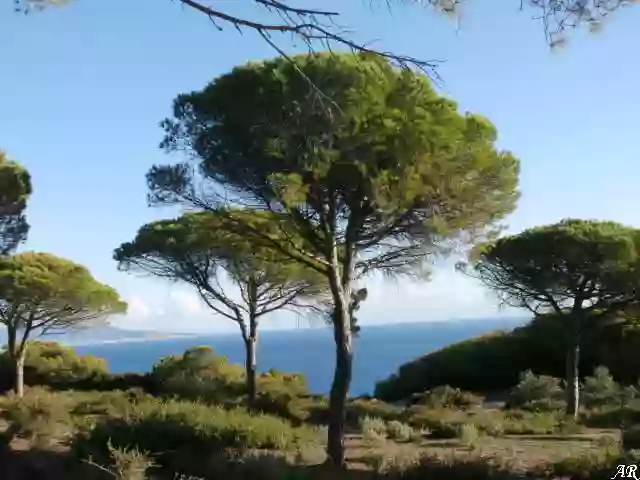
<point x="109" y="335"/>
<point x="152" y="337"/>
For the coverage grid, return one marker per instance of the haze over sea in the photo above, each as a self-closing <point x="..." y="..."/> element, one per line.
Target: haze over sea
<point x="379" y="350"/>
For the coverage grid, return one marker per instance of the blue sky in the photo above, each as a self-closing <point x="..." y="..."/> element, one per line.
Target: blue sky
<point x="83" y="88"/>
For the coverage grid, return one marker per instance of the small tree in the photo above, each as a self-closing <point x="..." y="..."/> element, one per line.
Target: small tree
<point x="391" y="177"/>
<point x="41" y="293"/>
<point x="575" y="269"/>
<point x="198" y="249"/>
<point x="15" y="189"/>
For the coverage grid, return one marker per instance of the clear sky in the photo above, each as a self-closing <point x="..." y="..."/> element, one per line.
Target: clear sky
<point x="83" y="88"/>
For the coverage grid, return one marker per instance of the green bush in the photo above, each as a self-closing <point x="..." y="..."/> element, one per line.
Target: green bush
<point x="594" y="465"/>
<point x="49" y="363"/>
<point x="492" y="362"/>
<point x="178" y="434"/>
<point x="122" y="464"/>
<point x="601" y="389"/>
<point x="199" y="374"/>
<point x="40" y="416"/>
<point x="114" y="403"/>
<point x="612" y="417"/>
<point x="287" y="395"/>
<point x="359" y="408"/>
<point x="481" y="364"/>
<point x="536" y="393"/>
<point x="447" y="397"/>
<point x="373" y="428"/>
<point x="467" y="468"/>
<point x="399" y="431"/>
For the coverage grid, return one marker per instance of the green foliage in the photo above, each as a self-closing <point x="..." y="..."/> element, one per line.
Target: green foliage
<point x="536" y="393"/>
<point x="601" y="390"/>
<point x="373" y="428"/>
<point x="468" y="434"/>
<point x="400" y="431"/>
<point x="486" y="363"/>
<point x="111" y="403"/>
<point x="199" y="374"/>
<point x="447" y="397"/>
<point x="590" y="466"/>
<point x="493" y="362"/>
<point x="42" y="292"/>
<point x="551" y="267"/>
<point x="15" y="190"/>
<point x="178" y="434"/>
<point x="40" y="416"/>
<point x="49" y="363"/>
<point x="458" y="468"/>
<point x="126" y="464"/>
<point x="197" y="246"/>
<point x="359" y="408"/>
<point x="395" y="149"/>
<point x="446" y="423"/>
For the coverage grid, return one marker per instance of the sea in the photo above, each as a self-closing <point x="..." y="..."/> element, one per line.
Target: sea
<point x="378" y="350"/>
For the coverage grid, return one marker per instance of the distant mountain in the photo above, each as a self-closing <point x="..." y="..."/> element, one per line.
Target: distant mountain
<point x="103" y="334"/>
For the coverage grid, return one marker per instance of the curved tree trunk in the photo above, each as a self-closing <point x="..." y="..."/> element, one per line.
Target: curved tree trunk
<point x="340" y="385"/>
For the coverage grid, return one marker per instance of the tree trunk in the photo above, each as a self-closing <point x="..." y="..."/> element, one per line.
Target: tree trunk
<point x="340" y="384"/>
<point x="251" y="366"/>
<point x="19" y="373"/>
<point x="16" y="353"/>
<point x="573" y="370"/>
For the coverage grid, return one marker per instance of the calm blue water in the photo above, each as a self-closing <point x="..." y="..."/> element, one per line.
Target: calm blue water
<point x="379" y="350"/>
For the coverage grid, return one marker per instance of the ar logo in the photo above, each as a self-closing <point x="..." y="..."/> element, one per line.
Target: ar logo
<point x="626" y="471"/>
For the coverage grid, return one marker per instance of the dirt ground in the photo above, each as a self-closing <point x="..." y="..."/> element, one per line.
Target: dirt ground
<point x="18" y="461"/>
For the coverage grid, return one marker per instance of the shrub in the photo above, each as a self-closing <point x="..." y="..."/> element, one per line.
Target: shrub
<point x="593" y="465"/>
<point x="359" y="408"/>
<point x="465" y="468"/>
<point x="601" y="389"/>
<point x="115" y="403"/>
<point x="40" y="416"/>
<point x="199" y="374"/>
<point x="180" y="434"/>
<point x="533" y="423"/>
<point x="536" y="393"/>
<point x="468" y="434"/>
<point x="49" y="363"/>
<point x="399" y="431"/>
<point x="447" y="397"/>
<point x="373" y="428"/>
<point x="493" y="362"/>
<point x="121" y="464"/>
<point x="286" y="395"/>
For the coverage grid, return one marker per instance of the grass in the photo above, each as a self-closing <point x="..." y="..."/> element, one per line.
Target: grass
<point x="135" y="436"/>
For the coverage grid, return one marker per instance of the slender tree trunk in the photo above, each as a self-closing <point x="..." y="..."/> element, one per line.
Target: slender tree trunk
<point x="573" y="369"/>
<point x="251" y="364"/>
<point x="19" y="373"/>
<point x="340" y="385"/>
<point x="16" y="355"/>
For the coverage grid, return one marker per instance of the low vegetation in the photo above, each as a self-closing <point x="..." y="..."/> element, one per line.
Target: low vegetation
<point x="200" y="428"/>
<point x="494" y="361"/>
